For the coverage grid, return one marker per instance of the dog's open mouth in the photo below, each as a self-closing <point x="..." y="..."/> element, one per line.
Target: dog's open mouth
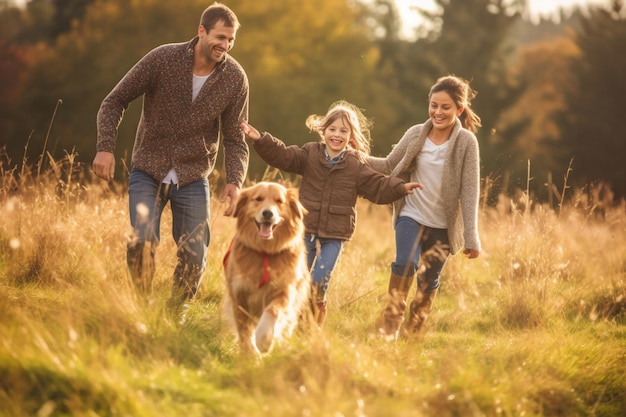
<point x="266" y="230"/>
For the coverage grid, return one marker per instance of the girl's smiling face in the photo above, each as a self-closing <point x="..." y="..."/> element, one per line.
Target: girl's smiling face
<point x="337" y="137"/>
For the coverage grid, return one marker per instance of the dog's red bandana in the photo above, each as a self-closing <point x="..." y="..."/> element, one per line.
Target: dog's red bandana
<point x="266" y="264"/>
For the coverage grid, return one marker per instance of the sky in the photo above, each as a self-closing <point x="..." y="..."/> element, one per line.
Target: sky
<point x="537" y="8"/>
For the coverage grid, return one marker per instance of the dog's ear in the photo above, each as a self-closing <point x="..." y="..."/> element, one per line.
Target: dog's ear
<point x="295" y="206"/>
<point x="241" y="203"/>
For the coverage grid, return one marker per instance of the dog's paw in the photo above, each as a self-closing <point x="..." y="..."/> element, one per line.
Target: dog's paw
<point x="264" y="335"/>
<point x="248" y="347"/>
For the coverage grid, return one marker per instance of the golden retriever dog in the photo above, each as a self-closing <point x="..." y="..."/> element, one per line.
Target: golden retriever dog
<point x="267" y="280"/>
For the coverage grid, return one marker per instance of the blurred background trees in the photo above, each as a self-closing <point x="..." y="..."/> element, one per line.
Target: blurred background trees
<point x="594" y="102"/>
<point x="548" y="92"/>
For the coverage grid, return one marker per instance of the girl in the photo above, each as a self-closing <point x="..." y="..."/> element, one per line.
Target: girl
<point x="334" y="173"/>
<point x="442" y="154"/>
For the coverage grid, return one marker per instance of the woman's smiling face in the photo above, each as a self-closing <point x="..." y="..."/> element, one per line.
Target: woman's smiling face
<point x="443" y="110"/>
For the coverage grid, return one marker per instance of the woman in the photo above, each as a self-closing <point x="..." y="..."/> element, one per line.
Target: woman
<point x="441" y="154"/>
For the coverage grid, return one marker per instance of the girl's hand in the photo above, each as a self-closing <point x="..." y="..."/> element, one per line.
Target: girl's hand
<point x="471" y="253"/>
<point x="410" y="186"/>
<point x="250" y="131"/>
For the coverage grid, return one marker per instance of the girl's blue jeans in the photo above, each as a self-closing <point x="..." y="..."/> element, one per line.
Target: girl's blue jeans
<point x="323" y="263"/>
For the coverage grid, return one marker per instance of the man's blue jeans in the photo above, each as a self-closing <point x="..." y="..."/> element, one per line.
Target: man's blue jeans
<point x="190" y="207"/>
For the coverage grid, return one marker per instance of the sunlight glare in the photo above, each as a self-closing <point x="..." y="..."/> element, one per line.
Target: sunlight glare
<point x="14" y="243"/>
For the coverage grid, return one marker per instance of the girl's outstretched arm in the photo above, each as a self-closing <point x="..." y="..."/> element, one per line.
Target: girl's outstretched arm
<point x="410" y="186"/>
<point x="250" y="131"/>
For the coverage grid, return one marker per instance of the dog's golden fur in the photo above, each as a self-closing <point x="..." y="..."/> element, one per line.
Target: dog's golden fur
<point x="267" y="280"/>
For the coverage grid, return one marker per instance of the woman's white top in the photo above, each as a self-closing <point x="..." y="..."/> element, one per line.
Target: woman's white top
<point x="426" y="206"/>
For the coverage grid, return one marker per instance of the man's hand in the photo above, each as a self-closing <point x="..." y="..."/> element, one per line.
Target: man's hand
<point x="471" y="253"/>
<point x="104" y="165"/>
<point x="231" y="191"/>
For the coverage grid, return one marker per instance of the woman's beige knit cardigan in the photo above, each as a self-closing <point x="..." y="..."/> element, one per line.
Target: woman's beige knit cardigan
<point x="461" y="179"/>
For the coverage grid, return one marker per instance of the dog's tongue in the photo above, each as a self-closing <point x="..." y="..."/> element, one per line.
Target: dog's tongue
<point x="265" y="230"/>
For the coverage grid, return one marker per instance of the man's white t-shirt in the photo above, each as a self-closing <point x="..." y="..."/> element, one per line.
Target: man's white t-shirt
<point x="198" y="82"/>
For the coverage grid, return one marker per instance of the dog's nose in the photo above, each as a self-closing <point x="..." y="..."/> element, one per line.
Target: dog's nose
<point x="268" y="214"/>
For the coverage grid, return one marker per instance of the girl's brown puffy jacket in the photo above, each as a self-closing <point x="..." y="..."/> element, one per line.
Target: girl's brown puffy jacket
<point x="328" y="192"/>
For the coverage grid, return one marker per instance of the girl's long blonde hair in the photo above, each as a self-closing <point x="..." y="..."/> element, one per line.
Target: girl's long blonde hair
<point x="353" y="116"/>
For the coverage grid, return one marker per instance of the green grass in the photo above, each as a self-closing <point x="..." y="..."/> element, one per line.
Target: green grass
<point x="534" y="327"/>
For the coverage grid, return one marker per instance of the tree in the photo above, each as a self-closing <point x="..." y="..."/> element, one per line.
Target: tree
<point x="593" y="122"/>
<point x="12" y="64"/>
<point x="66" y="13"/>
<point x="542" y="71"/>
<point x="83" y="65"/>
<point x="404" y="73"/>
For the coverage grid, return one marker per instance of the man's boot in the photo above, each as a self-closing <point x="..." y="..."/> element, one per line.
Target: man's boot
<point x="393" y="314"/>
<point x="140" y="261"/>
<point x="419" y="309"/>
<point x="186" y="281"/>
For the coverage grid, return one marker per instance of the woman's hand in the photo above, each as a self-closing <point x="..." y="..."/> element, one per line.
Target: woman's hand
<point x="250" y="131"/>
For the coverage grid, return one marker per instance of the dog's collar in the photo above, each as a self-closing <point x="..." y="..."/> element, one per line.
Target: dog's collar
<point x="266" y="264"/>
<point x="266" y="268"/>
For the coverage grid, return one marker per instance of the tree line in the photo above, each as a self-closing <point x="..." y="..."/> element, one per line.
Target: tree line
<point x="549" y="93"/>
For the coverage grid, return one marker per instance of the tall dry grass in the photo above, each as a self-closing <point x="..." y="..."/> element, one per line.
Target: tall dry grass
<point x="534" y="327"/>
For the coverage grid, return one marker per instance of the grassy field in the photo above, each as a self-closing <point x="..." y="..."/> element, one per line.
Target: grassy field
<point x="536" y="326"/>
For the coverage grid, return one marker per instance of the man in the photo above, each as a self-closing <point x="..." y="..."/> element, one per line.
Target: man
<point x="192" y="92"/>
